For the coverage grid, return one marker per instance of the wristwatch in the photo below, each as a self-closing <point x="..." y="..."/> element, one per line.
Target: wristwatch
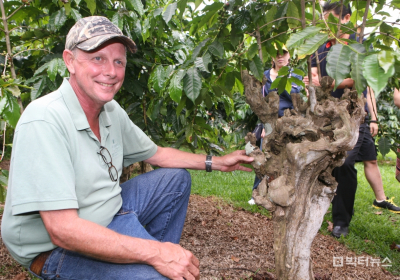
<point x="208" y="163"/>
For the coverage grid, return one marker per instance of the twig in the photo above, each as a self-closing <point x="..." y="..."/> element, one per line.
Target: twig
<point x="258" y="37"/>
<point x="5" y="64"/>
<point x="278" y="20"/>
<point x="339" y="19"/>
<point x="386" y="34"/>
<point x="228" y="268"/>
<point x="4" y="141"/>
<point x="360" y="40"/>
<point x="373" y="107"/>
<point x="279" y="34"/>
<point x="16" y="10"/>
<point x="32" y="50"/>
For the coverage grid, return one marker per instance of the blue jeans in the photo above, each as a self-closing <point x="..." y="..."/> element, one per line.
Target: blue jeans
<point x="154" y="207"/>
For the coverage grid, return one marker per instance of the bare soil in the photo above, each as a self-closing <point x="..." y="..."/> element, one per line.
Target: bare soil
<point x="234" y="244"/>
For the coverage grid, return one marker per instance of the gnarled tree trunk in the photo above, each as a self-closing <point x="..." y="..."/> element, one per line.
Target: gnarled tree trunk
<point x="298" y="155"/>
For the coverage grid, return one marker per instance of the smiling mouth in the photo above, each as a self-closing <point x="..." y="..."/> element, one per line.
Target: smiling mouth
<point x="106" y="85"/>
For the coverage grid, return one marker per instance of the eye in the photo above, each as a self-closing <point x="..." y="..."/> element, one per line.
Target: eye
<point x="120" y="63"/>
<point x="97" y="58"/>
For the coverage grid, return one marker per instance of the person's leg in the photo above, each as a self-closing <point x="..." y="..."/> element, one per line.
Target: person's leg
<point x="154" y="207"/>
<point x="343" y="201"/>
<point x="374" y="179"/>
<point x="346" y="176"/>
<point x="159" y="199"/>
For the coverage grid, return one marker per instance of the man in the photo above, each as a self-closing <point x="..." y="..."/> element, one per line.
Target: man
<point x="66" y="216"/>
<point x="364" y="150"/>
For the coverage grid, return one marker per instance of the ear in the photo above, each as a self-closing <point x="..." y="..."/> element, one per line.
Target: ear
<point x="346" y="19"/>
<point x="69" y="58"/>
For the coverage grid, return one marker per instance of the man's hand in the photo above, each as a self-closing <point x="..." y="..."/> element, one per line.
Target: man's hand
<point x="263" y="133"/>
<point x="232" y="161"/>
<point x="175" y="262"/>
<point x="373" y="128"/>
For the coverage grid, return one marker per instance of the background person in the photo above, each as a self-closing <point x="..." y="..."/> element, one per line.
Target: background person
<point x="285" y="99"/>
<point x="66" y="216"/>
<point x="364" y="150"/>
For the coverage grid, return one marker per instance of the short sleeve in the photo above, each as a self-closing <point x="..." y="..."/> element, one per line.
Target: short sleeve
<point x="42" y="171"/>
<point x="137" y="145"/>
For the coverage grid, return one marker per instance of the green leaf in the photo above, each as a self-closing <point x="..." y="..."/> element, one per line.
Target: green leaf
<point x="283" y="85"/>
<point x="256" y="67"/>
<point x="284" y="71"/>
<point x="217" y="49"/>
<point x="386" y="59"/>
<point x="14" y="90"/>
<point x="270" y="16"/>
<point x="135" y="5"/>
<point x="281" y="10"/>
<point x="169" y="12"/>
<point x="298" y="72"/>
<point x="375" y="75"/>
<point x="253" y="50"/>
<point x="157" y="78"/>
<point x="182" y="6"/>
<point x="57" y="20"/>
<point x="52" y="70"/>
<point x="181" y="105"/>
<point x="38" y="88"/>
<point x="338" y="63"/>
<point x="118" y="20"/>
<point x="192" y="84"/>
<point x="357" y="69"/>
<point x="75" y="14"/>
<point x="200" y="64"/>
<point x="297" y="39"/>
<point x="276" y="82"/>
<point x="384" y="145"/>
<point x="239" y="85"/>
<point x="175" y="85"/>
<point x="312" y="44"/>
<point x="3" y="180"/>
<point x="292" y="11"/>
<point x="11" y="111"/>
<point x="333" y="21"/>
<point x="296" y="81"/>
<point x="207" y="59"/>
<point x="91" y="4"/>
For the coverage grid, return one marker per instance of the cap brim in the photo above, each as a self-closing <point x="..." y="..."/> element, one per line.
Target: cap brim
<point x="95" y="42"/>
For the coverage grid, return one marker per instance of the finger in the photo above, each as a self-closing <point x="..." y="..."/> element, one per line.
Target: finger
<point x="244" y="168"/>
<point x="245" y="159"/>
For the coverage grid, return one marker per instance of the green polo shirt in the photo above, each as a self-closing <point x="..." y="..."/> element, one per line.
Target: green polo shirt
<point x="55" y="165"/>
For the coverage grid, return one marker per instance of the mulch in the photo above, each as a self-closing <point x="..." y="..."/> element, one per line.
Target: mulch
<point x="234" y="244"/>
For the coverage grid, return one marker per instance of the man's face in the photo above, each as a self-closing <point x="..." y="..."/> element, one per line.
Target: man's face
<point x="98" y="75"/>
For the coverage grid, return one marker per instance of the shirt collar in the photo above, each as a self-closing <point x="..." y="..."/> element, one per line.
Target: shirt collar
<point x="77" y="114"/>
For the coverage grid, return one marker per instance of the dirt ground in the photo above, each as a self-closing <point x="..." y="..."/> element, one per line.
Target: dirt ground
<point x="234" y="244"/>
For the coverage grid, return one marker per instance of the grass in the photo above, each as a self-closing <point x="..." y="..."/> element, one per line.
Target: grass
<point x="371" y="231"/>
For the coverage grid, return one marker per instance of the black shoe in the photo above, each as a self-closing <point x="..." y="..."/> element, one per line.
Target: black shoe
<point x="339" y="230"/>
<point x="387" y="204"/>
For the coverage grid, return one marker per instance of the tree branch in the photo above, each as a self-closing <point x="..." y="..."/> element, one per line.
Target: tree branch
<point x="360" y="40"/>
<point x="16" y="10"/>
<point x="32" y="50"/>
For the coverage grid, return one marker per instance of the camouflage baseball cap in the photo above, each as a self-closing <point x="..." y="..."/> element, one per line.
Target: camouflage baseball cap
<point x="90" y="33"/>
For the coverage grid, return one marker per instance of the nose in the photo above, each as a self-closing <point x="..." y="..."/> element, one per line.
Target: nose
<point x="109" y="69"/>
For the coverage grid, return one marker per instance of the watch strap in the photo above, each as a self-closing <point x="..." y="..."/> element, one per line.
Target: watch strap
<point x="208" y="163"/>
